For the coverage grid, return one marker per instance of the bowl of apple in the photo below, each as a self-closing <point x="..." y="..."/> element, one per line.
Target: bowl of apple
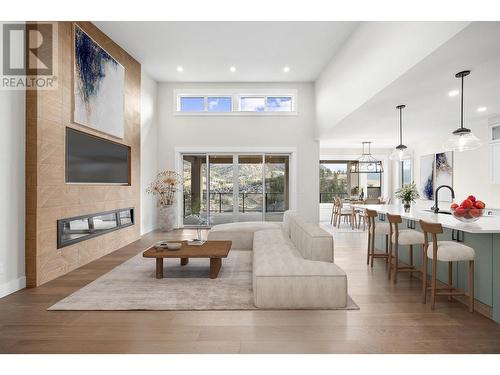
<point x="470" y="210"/>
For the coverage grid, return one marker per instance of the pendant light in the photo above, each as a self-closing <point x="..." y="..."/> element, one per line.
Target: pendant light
<point x="401" y="151"/>
<point x="367" y="163"/>
<point x="462" y="139"/>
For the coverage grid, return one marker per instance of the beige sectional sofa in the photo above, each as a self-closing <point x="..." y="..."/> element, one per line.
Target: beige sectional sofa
<point x="292" y="263"/>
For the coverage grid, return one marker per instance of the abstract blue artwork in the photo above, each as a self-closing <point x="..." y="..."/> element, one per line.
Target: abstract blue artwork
<point x="98" y="87"/>
<point x="444" y="173"/>
<point x="427" y="176"/>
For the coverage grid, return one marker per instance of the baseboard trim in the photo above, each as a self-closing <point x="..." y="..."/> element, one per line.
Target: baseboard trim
<point x="12" y="286"/>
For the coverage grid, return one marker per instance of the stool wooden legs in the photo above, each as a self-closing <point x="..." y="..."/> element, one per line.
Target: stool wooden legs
<point x="370" y="254"/>
<point x="471" y="285"/>
<point x="372" y="250"/>
<point x="369" y="246"/>
<point x="425" y="267"/>
<point x="411" y="260"/>
<point x="389" y="261"/>
<point x="448" y="290"/>
<point x="450" y="277"/>
<point x="386" y="250"/>
<point x="433" y="283"/>
<point x="395" y="268"/>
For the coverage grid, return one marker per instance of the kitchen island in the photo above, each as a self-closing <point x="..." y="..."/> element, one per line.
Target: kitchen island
<point x="483" y="236"/>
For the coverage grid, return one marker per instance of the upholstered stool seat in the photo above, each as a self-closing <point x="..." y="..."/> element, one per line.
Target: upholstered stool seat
<point x="409" y="237"/>
<point x="451" y="251"/>
<point x="382" y="228"/>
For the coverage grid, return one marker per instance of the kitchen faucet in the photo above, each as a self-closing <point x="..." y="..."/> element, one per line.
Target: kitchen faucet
<point x="436" y="208"/>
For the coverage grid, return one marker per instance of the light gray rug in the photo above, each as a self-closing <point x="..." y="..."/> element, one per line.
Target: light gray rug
<point x="133" y="286"/>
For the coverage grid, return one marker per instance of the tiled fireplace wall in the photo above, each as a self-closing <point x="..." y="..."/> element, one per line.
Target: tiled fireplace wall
<point x="48" y="197"/>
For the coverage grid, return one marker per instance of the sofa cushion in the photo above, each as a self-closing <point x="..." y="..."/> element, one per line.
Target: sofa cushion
<point x="275" y="255"/>
<point x="310" y="240"/>
<point x="241" y="234"/>
<point x="282" y="278"/>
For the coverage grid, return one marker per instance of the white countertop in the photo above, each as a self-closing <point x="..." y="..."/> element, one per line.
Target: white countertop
<point x="485" y="224"/>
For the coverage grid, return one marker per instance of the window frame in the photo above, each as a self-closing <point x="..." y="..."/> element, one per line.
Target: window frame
<point x="236" y="95"/>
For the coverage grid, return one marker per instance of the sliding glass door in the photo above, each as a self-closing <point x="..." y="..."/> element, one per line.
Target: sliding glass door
<point x="225" y="188"/>
<point x="195" y="203"/>
<point x="276" y="187"/>
<point x="221" y="184"/>
<point x="250" y="197"/>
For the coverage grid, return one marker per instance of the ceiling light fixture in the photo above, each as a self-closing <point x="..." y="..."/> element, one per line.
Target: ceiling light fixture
<point x="482" y="109"/>
<point x="462" y="138"/>
<point x="286" y="69"/>
<point x="180" y="69"/>
<point x="367" y="163"/>
<point x="232" y="69"/>
<point x="401" y="151"/>
<point x="453" y="93"/>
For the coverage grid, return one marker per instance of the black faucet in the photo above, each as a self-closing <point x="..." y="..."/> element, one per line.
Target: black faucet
<point x="436" y="208"/>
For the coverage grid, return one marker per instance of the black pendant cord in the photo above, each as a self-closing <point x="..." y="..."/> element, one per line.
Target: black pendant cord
<point x="401" y="145"/>
<point x="462" y="130"/>
<point x="462" y="104"/>
<point x="400" y="125"/>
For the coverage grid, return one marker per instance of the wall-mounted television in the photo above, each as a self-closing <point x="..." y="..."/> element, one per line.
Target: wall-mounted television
<point x="95" y="160"/>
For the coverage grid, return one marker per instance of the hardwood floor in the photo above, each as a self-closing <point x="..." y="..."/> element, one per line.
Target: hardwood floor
<point x="391" y="319"/>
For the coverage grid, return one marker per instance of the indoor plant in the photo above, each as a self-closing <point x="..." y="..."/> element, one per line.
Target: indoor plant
<point x="407" y="193"/>
<point x="165" y="189"/>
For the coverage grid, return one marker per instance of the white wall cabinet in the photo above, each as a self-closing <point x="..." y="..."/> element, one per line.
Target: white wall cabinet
<point x="495" y="153"/>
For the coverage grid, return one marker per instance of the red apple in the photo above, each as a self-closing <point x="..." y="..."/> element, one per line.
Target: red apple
<point x="467" y="204"/>
<point x="472" y="198"/>
<point x="479" y="204"/>
<point x="475" y="212"/>
<point x="460" y="211"/>
<point x="454" y="206"/>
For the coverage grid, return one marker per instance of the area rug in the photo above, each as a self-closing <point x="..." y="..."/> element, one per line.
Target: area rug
<point x="133" y="286"/>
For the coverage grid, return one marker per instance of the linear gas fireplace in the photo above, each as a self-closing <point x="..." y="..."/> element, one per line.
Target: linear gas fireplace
<point x="80" y="228"/>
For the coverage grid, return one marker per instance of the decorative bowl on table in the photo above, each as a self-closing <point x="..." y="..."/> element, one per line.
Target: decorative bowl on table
<point x="469" y="210"/>
<point x="168" y="245"/>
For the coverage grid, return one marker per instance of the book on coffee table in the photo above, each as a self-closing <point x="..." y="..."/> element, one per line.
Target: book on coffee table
<point x="196" y="242"/>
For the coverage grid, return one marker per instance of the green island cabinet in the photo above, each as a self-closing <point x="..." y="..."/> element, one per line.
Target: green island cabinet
<point x="485" y="242"/>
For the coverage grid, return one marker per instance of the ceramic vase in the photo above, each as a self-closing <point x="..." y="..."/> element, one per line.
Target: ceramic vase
<point x="166" y="218"/>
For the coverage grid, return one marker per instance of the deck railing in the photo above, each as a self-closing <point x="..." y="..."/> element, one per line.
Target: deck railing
<point x="247" y="202"/>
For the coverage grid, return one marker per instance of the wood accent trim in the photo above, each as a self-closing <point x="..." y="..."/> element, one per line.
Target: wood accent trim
<point x="48" y="197"/>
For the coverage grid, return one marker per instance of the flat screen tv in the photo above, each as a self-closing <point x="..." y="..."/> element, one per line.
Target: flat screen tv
<point x="95" y="160"/>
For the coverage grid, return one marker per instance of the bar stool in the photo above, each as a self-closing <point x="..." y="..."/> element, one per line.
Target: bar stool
<point x="445" y="251"/>
<point x="374" y="229"/>
<point x="402" y="237"/>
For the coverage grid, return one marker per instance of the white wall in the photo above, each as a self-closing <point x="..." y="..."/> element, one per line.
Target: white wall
<point x="471" y="173"/>
<point x="12" y="147"/>
<point x="241" y="131"/>
<point x="149" y="151"/>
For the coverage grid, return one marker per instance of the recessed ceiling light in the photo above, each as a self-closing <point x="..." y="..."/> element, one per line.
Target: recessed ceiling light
<point x="453" y="93"/>
<point x="180" y="69"/>
<point x="232" y="69"/>
<point x="482" y="109"/>
<point x="286" y="69"/>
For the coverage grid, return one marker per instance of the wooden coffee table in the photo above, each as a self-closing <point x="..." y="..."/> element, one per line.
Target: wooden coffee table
<point x="214" y="250"/>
